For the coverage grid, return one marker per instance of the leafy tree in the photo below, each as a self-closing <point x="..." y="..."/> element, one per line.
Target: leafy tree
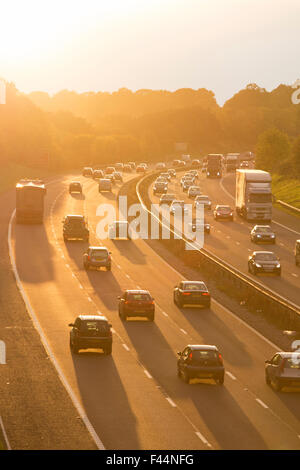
<point x="273" y="148"/>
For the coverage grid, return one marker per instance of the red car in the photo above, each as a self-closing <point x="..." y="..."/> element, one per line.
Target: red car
<point x="136" y="303"/>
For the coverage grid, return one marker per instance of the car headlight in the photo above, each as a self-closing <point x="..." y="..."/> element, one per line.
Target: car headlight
<point x="272" y="236"/>
<point x="258" y="265"/>
<point x="278" y="265"/>
<point x="208" y="173"/>
<point x="258" y="236"/>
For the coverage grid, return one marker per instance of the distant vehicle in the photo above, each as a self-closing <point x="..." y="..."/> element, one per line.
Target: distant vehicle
<point x="75" y="228"/>
<point x="176" y="163"/>
<point x="297" y="252"/>
<point x="253" y="199"/>
<point x="119" y="166"/>
<point x="161" y="179"/>
<point x="185" y="158"/>
<point x="132" y="164"/>
<point x="231" y="161"/>
<point x="30" y="195"/>
<point x="160" y="187"/>
<point x="91" y="332"/>
<point x="204" y="168"/>
<point x="244" y="164"/>
<point x="166" y="175"/>
<point x="200" y="361"/>
<point x="181" y="163"/>
<point x="283" y="370"/>
<point x="87" y="171"/>
<point x="187" y="184"/>
<point x="195" y="163"/>
<point x="172" y="172"/>
<point x="194" y="191"/>
<point x="160" y="166"/>
<point x="189" y="178"/>
<point x="136" y="303"/>
<point x="197" y="225"/>
<point x="75" y="187"/>
<point x="203" y="199"/>
<point x="110" y="170"/>
<point x="120" y="229"/>
<point x="97" y="257"/>
<point x="264" y="262"/>
<point x="127" y="168"/>
<point x="118" y="176"/>
<point x="98" y="174"/>
<point x="178" y="206"/>
<point x="223" y="212"/>
<point x="191" y="293"/>
<point x="262" y="234"/>
<point x="105" y="184"/>
<point x="166" y="199"/>
<point x="111" y="177"/>
<point x="140" y="169"/>
<point x="194" y="173"/>
<point x="214" y="165"/>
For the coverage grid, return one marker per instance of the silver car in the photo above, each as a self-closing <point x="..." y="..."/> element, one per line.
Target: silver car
<point x="283" y="370"/>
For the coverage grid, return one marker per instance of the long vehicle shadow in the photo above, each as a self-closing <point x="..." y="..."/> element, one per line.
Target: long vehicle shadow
<point x="101" y="390"/>
<point x="78" y="196"/>
<point x="130" y="250"/>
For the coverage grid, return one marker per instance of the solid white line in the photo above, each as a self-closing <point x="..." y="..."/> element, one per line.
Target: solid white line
<point x="261" y="403"/>
<point x="80" y="286"/>
<point x="230" y="375"/>
<point x="183" y="331"/>
<point x="198" y="433"/>
<point x="164" y="313"/>
<point x="4" y="434"/>
<point x="125" y="346"/>
<point x="89" y="299"/>
<point x="147" y="373"/>
<point x="46" y="345"/>
<point x="171" y="402"/>
<point x="295" y="275"/>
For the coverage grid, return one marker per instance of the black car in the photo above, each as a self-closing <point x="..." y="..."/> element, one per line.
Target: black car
<point x="202" y="362"/>
<point x="75" y="228"/>
<point x="91" y="332"/>
<point x="87" y="171"/>
<point x="264" y="262"/>
<point x="136" y="303"/>
<point x="166" y="199"/>
<point x="223" y="212"/>
<point x="283" y="370"/>
<point x="262" y="234"/>
<point x="75" y="187"/>
<point x="97" y="257"/>
<point x="160" y="187"/>
<point x="98" y="174"/>
<point x="191" y="293"/>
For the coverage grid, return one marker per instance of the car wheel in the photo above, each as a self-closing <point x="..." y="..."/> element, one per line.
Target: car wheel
<point x="174" y="299"/>
<point x="220" y="380"/>
<point x="65" y="238"/>
<point x="277" y="385"/>
<point x="75" y="349"/>
<point x="178" y="372"/>
<point x="279" y="273"/>
<point x="151" y="317"/>
<point x="186" y="377"/>
<point x="86" y="266"/>
<point x="108" y="350"/>
<point x="268" y="381"/>
<point x="108" y="268"/>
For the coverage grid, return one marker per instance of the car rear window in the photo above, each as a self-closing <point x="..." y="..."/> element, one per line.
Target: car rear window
<point x="138" y="297"/>
<point x="195" y="286"/>
<point x="75" y="222"/>
<point x="99" y="254"/>
<point x="223" y="209"/>
<point x="94" y="325"/>
<point x="209" y="356"/>
<point x="265" y="257"/>
<point x="263" y="229"/>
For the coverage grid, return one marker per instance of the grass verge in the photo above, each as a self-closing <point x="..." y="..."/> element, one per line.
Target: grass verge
<point x="287" y="190"/>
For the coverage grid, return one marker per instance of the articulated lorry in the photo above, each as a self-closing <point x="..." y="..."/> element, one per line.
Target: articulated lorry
<point x="214" y="165"/>
<point x="30" y="196"/>
<point x="253" y="199"/>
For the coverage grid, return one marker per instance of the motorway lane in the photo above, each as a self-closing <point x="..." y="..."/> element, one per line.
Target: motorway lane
<point x="228" y="417"/>
<point x="125" y="407"/>
<point x="230" y="241"/>
<point x="147" y="270"/>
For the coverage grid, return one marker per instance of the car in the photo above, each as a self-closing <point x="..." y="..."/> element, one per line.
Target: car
<point x="119" y="166"/>
<point x="204" y="200"/>
<point x="111" y="177"/>
<point x="98" y="174"/>
<point x="283" y="370"/>
<point x="194" y="191"/>
<point x="223" y="212"/>
<point x="119" y="229"/>
<point x="262" y="234"/>
<point x="160" y="187"/>
<point x="91" y="332"/>
<point x="127" y="168"/>
<point x="75" y="228"/>
<point x="196" y="225"/>
<point x="161" y="179"/>
<point x="97" y="257"/>
<point x="132" y="164"/>
<point x="202" y="361"/>
<point x="191" y="293"/>
<point x="177" y="206"/>
<point x="118" y="176"/>
<point x="166" y="199"/>
<point x="297" y="252"/>
<point x="194" y="173"/>
<point x="136" y="303"/>
<point x="105" y="184"/>
<point x="87" y="171"/>
<point x="176" y="163"/>
<point x="140" y="169"/>
<point x="166" y="175"/>
<point x="181" y="163"/>
<point x="75" y="187"/>
<point x="187" y="178"/>
<point x="204" y="168"/>
<point x="110" y="170"/>
<point x="172" y="172"/>
<point x="187" y="184"/>
<point x="160" y="166"/>
<point x="195" y="163"/>
<point x="264" y="262"/>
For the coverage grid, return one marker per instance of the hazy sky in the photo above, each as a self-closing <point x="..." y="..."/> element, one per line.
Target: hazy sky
<point x="92" y="45"/>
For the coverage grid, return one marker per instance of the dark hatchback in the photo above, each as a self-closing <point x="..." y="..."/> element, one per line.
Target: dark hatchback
<point x="202" y="362"/>
<point x="97" y="257"/>
<point x="91" y="332"/>
<point x="75" y="228"/>
<point x="262" y="234"/>
<point x="136" y="303"/>
<point x="191" y="293"/>
<point x="264" y="262"/>
<point x="75" y="187"/>
<point x="223" y="212"/>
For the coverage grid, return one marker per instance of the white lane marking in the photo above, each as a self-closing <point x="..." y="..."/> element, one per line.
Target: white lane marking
<point x="261" y="403"/>
<point x="46" y="345"/>
<point x="127" y="276"/>
<point x="183" y="331"/>
<point x="164" y="313"/>
<point x="67" y="265"/>
<point x="295" y="275"/>
<point x="125" y="346"/>
<point x="147" y="374"/>
<point x="4" y="434"/>
<point x="63" y="256"/>
<point x="171" y="402"/>
<point x="80" y="286"/>
<point x="118" y="266"/>
<point x="227" y="236"/>
<point x="89" y="299"/>
<point x="238" y="243"/>
<point x="230" y="375"/>
<point x="281" y="244"/>
<point x="113" y="331"/>
<point x="205" y="441"/>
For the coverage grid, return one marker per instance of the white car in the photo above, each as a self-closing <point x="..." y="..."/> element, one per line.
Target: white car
<point x="203" y="199"/>
<point x="177" y="206"/>
<point x="194" y="191"/>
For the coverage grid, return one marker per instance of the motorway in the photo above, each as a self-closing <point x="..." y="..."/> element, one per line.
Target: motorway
<point x="230" y="241"/>
<point x="134" y="399"/>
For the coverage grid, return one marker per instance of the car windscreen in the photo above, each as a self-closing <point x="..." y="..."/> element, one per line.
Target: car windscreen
<point x="265" y="257"/>
<point x="138" y="297"/>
